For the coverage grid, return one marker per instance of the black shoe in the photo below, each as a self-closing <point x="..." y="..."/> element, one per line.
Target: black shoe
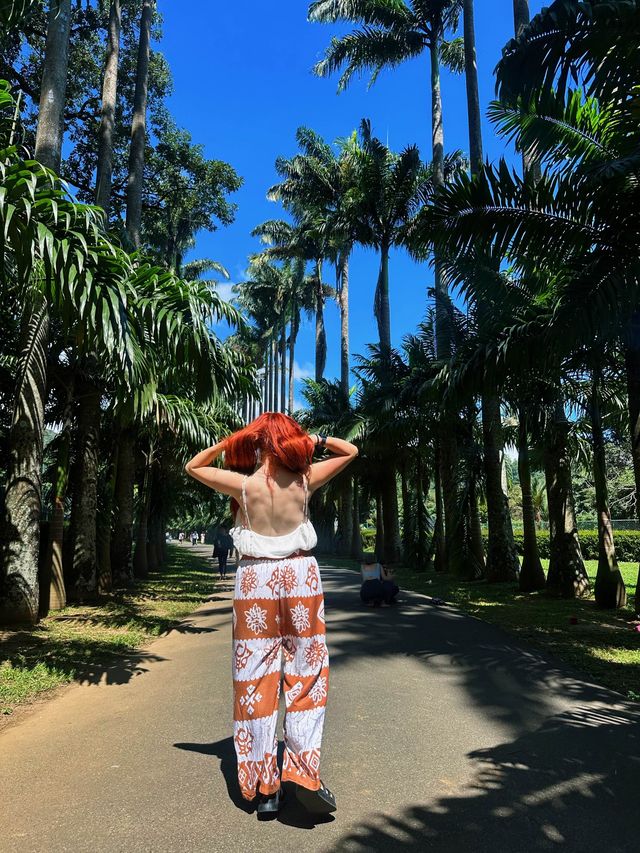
<point x="269" y="804"/>
<point x="321" y="801"/>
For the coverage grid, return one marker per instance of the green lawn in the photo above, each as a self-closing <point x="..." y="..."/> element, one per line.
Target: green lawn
<point x="602" y="644"/>
<point x="83" y="642"/>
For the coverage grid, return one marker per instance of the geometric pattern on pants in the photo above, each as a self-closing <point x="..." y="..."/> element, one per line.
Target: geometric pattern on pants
<point x="278" y="616"/>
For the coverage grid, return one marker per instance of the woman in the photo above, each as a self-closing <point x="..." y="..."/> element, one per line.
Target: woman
<point x="278" y="607"/>
<point x="378" y="586"/>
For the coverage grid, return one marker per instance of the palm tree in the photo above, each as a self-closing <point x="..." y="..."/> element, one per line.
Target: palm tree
<point x="104" y="170"/>
<point x="304" y="242"/>
<point x="138" y="127"/>
<point x="320" y="187"/>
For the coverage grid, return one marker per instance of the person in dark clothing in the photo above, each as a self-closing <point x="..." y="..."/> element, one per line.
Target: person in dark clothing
<point x="222" y="545"/>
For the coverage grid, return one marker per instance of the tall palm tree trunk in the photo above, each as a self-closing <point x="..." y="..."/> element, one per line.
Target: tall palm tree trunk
<point x="105" y="520"/>
<point x="140" y="561"/>
<point x="343" y="301"/>
<point x="293" y="334"/>
<point x="321" y="335"/>
<point x="502" y="558"/>
<point x="19" y="589"/>
<point x="567" y="574"/>
<point x="438" y="542"/>
<point x="531" y="572"/>
<point x="274" y="351"/>
<point x="84" y="503"/>
<point x="138" y="127"/>
<point x="447" y="546"/>
<point x="55" y="597"/>
<point x="53" y="89"/>
<point x="121" y="542"/>
<point x="380" y="549"/>
<point x="104" y="173"/>
<point x="390" y="517"/>
<point x="381" y="309"/>
<point x="283" y="365"/>
<point x="609" y="589"/>
<point x="356" y="533"/>
<point x="632" y="366"/>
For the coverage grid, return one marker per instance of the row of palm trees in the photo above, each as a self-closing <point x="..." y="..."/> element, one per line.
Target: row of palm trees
<point x="544" y="265"/>
<point x="110" y="346"/>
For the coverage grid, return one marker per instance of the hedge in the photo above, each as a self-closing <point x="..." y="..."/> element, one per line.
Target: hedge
<point x="627" y="543"/>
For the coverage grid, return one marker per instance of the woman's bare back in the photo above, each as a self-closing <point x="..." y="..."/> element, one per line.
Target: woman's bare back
<point x="276" y="503"/>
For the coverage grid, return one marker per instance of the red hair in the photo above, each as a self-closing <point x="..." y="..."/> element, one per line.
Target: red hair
<point x="277" y="437"/>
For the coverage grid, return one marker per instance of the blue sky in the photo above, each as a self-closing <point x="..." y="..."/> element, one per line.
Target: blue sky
<point x="243" y="85"/>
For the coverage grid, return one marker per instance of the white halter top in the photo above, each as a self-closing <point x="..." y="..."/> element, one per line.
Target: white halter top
<point x="248" y="543"/>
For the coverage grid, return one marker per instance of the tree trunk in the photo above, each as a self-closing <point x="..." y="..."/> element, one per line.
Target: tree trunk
<point x="475" y="545"/>
<point x="293" y="334"/>
<point x="438" y="542"/>
<point x="471" y="76"/>
<point x="531" y="572"/>
<point x="632" y="364"/>
<point x="391" y="522"/>
<point x="321" y="335"/>
<point x="343" y="301"/>
<point x="19" y="591"/>
<point x="521" y="16"/>
<point x="85" y="496"/>
<point x="53" y="575"/>
<point x="121" y="543"/>
<point x="274" y="348"/>
<point x="567" y="574"/>
<point x="381" y="308"/>
<point x="105" y="520"/>
<point x="356" y="533"/>
<point x="609" y="588"/>
<point x="138" y="128"/>
<point x="502" y="558"/>
<point x="104" y="173"/>
<point x="406" y="508"/>
<point x="345" y="520"/>
<point x="53" y="89"/>
<point x="283" y="365"/>
<point x="422" y="515"/>
<point x="140" y="562"/>
<point x="380" y="548"/>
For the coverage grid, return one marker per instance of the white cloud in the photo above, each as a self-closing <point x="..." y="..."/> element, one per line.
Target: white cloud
<point x="303" y="371"/>
<point x="224" y="289"/>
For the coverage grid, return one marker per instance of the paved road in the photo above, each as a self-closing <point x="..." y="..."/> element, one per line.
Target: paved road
<point x="442" y="734"/>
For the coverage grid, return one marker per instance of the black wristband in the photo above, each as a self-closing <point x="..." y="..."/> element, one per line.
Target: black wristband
<point x="323" y="439"/>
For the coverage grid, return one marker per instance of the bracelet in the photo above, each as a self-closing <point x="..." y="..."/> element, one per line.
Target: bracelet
<point x="323" y="440"/>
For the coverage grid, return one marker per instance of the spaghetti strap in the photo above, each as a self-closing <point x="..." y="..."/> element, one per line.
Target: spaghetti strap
<point x="244" y="501"/>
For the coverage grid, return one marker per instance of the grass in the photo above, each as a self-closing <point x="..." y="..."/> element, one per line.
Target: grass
<point x="603" y="644"/>
<point x="84" y="642"/>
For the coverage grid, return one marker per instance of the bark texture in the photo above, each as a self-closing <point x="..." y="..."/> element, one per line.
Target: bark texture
<point x="104" y="173"/>
<point x="53" y="89"/>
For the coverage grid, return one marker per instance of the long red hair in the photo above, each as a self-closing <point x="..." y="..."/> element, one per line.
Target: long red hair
<point x="276" y="437"/>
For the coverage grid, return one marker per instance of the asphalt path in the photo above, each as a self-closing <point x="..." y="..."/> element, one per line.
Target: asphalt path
<point x="442" y="734"/>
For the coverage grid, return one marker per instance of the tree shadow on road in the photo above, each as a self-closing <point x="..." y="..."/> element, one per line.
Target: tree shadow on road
<point x="566" y="779"/>
<point x="563" y="786"/>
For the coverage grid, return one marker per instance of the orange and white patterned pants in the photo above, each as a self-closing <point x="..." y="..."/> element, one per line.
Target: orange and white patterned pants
<point x="278" y="612"/>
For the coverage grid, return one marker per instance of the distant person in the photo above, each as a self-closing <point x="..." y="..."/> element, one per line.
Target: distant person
<point x="181" y="537"/>
<point x="378" y="587"/>
<point x="194" y="538"/>
<point x="221" y="547"/>
<point x="202" y="538"/>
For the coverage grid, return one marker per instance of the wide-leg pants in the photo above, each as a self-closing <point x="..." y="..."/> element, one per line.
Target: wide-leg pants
<point x="278" y="612"/>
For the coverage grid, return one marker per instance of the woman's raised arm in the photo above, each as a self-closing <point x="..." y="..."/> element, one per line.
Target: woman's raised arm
<point x="227" y="482"/>
<point x="343" y="454"/>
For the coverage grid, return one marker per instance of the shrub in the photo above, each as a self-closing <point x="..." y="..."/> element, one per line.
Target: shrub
<point x="627" y="544"/>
